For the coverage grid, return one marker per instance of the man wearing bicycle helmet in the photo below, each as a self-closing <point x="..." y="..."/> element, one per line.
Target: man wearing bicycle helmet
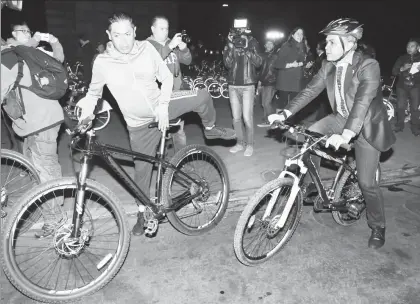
<point x="352" y="80"/>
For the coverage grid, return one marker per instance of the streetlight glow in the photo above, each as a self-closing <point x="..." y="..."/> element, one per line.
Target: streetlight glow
<point x="225" y="5"/>
<point x="274" y="35"/>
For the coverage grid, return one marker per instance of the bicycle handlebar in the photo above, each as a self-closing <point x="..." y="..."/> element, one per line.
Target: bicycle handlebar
<point x="305" y="132"/>
<point x="83" y="126"/>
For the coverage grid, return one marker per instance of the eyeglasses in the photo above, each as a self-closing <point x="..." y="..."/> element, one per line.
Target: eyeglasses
<point x="24" y="31"/>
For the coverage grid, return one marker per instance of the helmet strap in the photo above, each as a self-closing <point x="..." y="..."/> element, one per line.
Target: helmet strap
<point x="344" y="52"/>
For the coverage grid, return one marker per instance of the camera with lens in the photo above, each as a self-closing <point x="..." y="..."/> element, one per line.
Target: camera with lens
<point x="240" y="28"/>
<point x="185" y="37"/>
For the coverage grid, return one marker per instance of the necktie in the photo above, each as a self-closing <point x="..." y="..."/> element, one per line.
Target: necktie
<point x="341" y="101"/>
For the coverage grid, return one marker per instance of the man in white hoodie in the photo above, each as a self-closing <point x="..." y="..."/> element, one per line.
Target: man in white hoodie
<point x="130" y="69"/>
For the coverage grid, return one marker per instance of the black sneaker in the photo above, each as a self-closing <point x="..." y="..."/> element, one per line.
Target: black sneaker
<point x="377" y="238"/>
<point x="264" y="124"/>
<point x="138" y="228"/>
<point x="219" y="132"/>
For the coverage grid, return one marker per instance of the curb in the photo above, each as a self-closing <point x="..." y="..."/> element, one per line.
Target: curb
<point x="241" y="197"/>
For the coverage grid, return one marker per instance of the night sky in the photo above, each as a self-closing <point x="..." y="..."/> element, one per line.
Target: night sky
<point x="388" y="24"/>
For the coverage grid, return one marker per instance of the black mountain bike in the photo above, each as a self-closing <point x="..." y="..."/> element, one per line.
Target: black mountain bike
<point x="273" y="213"/>
<point x="90" y="236"/>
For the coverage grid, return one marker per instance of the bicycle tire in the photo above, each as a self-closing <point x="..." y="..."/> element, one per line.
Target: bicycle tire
<point x="166" y="186"/>
<point x="337" y="216"/>
<point x="19" y="158"/>
<point x="33" y="292"/>
<point x="247" y="214"/>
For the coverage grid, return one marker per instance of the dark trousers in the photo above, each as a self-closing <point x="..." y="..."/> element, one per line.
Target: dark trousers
<point x="267" y="94"/>
<point x="367" y="161"/>
<point x="145" y="140"/>
<point x="284" y="98"/>
<point x="413" y="95"/>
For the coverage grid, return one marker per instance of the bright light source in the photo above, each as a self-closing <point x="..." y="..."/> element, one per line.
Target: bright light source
<point x="274" y="35"/>
<point x="240" y="23"/>
<point x="211" y="52"/>
<point x="225" y="5"/>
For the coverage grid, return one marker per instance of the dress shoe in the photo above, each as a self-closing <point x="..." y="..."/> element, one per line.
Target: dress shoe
<point x="377" y="238"/>
<point x="138" y="228"/>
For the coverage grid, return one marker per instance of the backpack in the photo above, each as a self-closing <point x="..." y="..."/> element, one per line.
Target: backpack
<point x="48" y="75"/>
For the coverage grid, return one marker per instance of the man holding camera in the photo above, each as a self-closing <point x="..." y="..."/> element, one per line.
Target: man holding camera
<point x="173" y="52"/>
<point x="241" y="56"/>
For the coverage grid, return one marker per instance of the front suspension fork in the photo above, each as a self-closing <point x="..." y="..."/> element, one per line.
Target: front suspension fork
<point x="79" y="206"/>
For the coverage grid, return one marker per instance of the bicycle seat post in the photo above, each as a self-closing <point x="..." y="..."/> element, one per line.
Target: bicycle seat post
<point x="161" y="155"/>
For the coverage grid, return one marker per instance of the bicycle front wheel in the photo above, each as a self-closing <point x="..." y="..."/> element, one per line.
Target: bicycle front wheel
<point x="207" y="204"/>
<point x="46" y="262"/>
<point x="256" y="238"/>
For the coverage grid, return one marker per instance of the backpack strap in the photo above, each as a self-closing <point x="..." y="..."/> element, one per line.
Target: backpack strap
<point x="17" y="81"/>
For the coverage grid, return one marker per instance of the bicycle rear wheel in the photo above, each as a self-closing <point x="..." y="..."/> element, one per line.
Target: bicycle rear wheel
<point x="18" y="175"/>
<point x="206" y="210"/>
<point x="58" y="267"/>
<point x="256" y="237"/>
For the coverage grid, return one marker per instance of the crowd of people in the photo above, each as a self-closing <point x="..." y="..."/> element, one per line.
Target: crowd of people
<point x="321" y="86"/>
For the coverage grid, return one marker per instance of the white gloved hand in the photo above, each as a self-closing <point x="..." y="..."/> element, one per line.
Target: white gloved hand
<point x="279" y="117"/>
<point x="87" y="107"/>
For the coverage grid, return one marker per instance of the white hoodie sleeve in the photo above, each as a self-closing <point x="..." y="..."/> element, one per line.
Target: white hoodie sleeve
<point x="88" y="103"/>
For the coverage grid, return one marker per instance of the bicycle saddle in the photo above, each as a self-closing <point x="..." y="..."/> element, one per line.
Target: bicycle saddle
<point x="172" y="123"/>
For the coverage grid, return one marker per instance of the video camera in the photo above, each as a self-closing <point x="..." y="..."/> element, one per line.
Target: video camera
<point x="240" y="27"/>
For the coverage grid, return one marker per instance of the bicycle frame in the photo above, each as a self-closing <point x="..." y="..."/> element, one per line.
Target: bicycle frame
<point x="304" y="162"/>
<point x="104" y="151"/>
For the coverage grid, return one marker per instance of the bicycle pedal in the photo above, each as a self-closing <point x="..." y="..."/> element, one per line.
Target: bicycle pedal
<point x="151" y="227"/>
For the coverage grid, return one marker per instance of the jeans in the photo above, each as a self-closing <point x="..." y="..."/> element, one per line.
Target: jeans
<point x="242" y="104"/>
<point x="367" y="161"/>
<point x="145" y="140"/>
<point x="403" y="94"/>
<point x="41" y="150"/>
<point x="267" y="94"/>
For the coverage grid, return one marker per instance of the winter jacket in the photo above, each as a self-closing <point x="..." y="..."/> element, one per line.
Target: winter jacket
<point x="242" y="63"/>
<point x="268" y="73"/>
<point x="401" y="75"/>
<point x="41" y="114"/>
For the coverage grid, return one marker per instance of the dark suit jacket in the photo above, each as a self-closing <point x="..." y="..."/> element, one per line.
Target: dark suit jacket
<point x="367" y="113"/>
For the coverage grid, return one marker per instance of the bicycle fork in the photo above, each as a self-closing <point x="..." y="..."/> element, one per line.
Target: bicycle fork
<point x="293" y="193"/>
<point x="79" y="205"/>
